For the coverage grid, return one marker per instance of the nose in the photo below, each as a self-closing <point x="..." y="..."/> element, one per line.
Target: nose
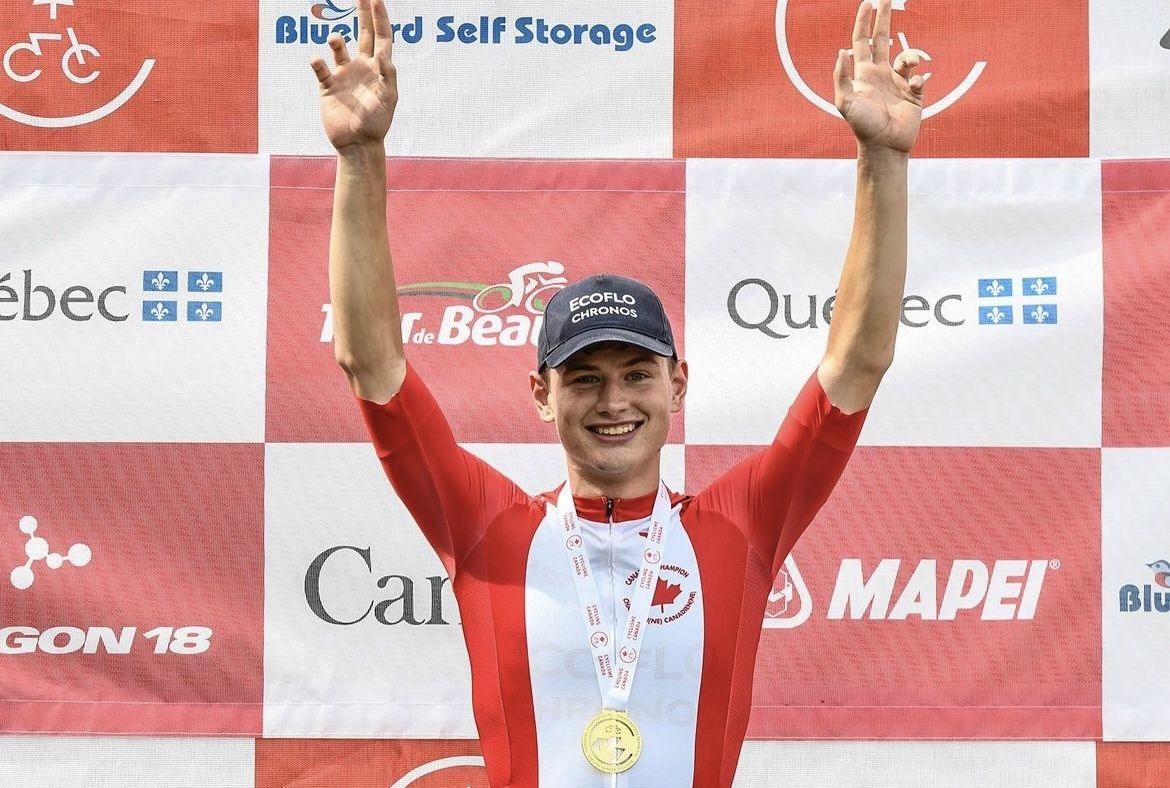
<point x="611" y="399"/>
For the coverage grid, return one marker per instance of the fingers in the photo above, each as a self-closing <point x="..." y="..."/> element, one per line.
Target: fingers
<point x="904" y="65"/>
<point x="321" y="70"/>
<point x="340" y="53"/>
<point x="365" y="28"/>
<point x="842" y="79"/>
<point x="881" y="33"/>
<point x="383" y="36"/>
<point x="861" y="26"/>
<point x="906" y="62"/>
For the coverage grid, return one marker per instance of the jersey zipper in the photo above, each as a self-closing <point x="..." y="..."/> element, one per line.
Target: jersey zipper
<point x="609" y="502"/>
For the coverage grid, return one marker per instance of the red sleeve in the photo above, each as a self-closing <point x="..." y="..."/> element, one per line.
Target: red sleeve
<point x="774" y="494"/>
<point x="451" y="493"/>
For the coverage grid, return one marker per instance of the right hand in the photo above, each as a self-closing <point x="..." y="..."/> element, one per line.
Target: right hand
<point x="358" y="98"/>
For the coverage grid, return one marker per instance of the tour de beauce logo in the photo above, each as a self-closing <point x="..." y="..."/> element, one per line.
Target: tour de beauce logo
<point x="508" y="313"/>
<point x="1147" y="598"/>
<point x="58" y="42"/>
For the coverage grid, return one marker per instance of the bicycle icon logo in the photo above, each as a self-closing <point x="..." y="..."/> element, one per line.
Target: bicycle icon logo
<point x="818" y="101"/>
<point x="22" y="64"/>
<point x="530" y="285"/>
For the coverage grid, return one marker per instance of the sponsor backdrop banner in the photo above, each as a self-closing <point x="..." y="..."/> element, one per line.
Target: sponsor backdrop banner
<point x="195" y="535"/>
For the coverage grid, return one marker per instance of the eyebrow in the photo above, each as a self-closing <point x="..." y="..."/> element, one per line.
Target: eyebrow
<point x="641" y="358"/>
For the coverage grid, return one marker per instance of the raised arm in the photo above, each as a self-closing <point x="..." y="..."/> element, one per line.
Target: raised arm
<point x="357" y="105"/>
<point x="883" y="106"/>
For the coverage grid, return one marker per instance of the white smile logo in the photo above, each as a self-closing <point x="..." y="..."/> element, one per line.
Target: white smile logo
<point x="455" y="762"/>
<point x="20" y="65"/>
<point x="827" y="105"/>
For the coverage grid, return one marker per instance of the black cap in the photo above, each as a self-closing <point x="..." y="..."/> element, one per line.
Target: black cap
<point x="602" y="308"/>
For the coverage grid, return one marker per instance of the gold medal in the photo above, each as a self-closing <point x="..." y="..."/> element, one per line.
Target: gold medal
<point x="612" y="742"/>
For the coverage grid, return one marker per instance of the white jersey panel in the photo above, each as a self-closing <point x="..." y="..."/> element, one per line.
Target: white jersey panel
<point x="665" y="697"/>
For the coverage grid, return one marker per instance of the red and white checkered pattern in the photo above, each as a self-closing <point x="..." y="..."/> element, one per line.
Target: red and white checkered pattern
<point x="988" y="568"/>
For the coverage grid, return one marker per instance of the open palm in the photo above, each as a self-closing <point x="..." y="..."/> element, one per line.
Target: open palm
<point x="359" y="96"/>
<point x="882" y="103"/>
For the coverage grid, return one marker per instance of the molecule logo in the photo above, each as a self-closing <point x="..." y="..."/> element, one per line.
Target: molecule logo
<point x="37" y="549"/>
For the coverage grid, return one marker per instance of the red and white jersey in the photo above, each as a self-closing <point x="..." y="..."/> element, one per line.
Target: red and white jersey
<point x="533" y="682"/>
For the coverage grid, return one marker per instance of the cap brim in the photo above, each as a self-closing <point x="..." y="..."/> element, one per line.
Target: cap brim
<point x="560" y="354"/>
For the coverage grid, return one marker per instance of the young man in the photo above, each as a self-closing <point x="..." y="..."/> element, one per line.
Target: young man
<point x="575" y="681"/>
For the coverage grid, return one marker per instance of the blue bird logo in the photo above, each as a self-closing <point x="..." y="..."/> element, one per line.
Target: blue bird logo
<point x="329" y="11"/>
<point x="1161" y="572"/>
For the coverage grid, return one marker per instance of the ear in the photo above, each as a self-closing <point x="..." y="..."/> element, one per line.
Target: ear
<point x="678" y="385"/>
<point x="540" y="397"/>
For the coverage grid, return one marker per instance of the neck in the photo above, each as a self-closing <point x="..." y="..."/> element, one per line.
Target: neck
<point x="588" y="485"/>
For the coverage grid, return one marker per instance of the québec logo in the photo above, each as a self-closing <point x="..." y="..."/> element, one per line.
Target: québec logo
<point x="757" y="305"/>
<point x="1005" y="590"/>
<point x="1033" y="301"/>
<point x="36" y="548"/>
<point x="1146" y="598"/>
<point x="508" y="313"/>
<point x="166" y="310"/>
<point x="79" y="303"/>
<point x="23" y="64"/>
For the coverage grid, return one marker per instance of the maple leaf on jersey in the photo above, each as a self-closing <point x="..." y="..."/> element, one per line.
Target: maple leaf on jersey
<point x="665" y="593"/>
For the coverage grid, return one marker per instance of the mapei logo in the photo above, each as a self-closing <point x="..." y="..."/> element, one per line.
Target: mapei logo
<point x="25" y="62"/>
<point x="78" y="303"/>
<point x="36" y="548"/>
<point x="942" y="96"/>
<point x="1005" y="590"/>
<point x="756" y="304"/>
<point x="508" y="313"/>
<point x="1145" y="598"/>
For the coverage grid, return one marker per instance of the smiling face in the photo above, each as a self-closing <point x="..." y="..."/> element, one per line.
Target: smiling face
<point x="612" y="404"/>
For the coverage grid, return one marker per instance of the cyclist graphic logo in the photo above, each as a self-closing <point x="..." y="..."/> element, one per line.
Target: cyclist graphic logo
<point x="826" y="105"/>
<point x="529" y="286"/>
<point x="23" y="61"/>
<point x="37" y="549"/>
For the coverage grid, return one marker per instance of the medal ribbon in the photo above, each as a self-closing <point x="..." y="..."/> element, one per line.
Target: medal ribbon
<point x="615" y="677"/>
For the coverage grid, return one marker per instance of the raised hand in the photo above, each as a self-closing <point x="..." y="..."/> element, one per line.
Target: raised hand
<point x="359" y="96"/>
<point x="882" y="104"/>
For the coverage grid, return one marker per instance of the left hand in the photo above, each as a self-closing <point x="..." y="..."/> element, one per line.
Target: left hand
<point x="882" y="104"/>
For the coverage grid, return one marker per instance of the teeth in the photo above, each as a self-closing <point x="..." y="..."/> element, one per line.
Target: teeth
<point x="616" y="430"/>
